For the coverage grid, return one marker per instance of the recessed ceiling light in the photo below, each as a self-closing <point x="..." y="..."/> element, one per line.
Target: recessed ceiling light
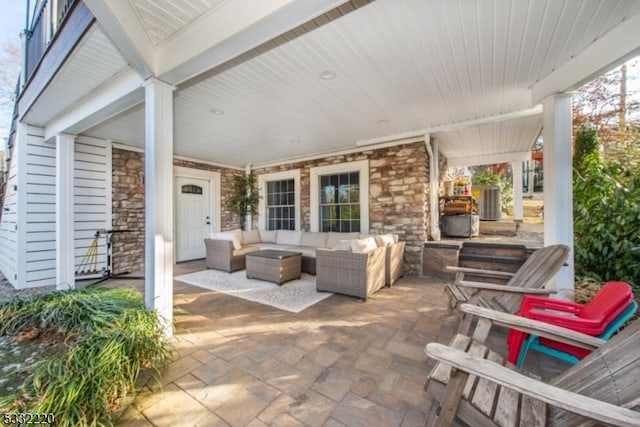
<point x="217" y="111"/>
<point x="294" y="141"/>
<point x="383" y="122"/>
<point x="327" y="75"/>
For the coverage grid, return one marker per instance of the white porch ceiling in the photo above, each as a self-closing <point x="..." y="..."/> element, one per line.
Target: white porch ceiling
<point x="162" y="19"/>
<point x="401" y="65"/>
<point x="94" y="62"/>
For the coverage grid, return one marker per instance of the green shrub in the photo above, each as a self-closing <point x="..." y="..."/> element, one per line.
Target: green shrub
<point x="607" y="215"/>
<point x="108" y="338"/>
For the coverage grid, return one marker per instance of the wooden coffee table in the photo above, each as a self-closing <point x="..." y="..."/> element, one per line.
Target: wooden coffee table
<point x="274" y="266"/>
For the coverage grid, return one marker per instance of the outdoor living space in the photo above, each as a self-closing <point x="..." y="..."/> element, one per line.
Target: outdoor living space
<point x="341" y="362"/>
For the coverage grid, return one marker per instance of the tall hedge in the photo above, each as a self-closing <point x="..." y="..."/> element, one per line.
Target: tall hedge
<point x="606" y="211"/>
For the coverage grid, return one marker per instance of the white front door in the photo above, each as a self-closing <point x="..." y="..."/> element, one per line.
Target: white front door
<point x="193" y="217"/>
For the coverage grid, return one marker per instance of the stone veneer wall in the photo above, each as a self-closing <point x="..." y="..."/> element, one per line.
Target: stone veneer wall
<point x="128" y="210"/>
<point x="128" y="206"/>
<point x="398" y="193"/>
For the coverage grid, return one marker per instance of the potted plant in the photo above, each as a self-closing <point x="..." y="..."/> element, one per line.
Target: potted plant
<point x="243" y="197"/>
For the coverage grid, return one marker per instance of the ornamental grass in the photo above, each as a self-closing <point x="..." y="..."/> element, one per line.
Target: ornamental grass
<point x="101" y="340"/>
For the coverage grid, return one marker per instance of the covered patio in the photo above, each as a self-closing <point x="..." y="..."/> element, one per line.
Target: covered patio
<point x="341" y="362"/>
<point x="391" y="91"/>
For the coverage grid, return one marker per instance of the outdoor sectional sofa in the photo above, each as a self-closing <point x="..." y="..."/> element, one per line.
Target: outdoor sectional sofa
<point x="348" y="263"/>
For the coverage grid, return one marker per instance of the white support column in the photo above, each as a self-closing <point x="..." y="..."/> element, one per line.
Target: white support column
<point x="434" y="184"/>
<point x="65" y="256"/>
<point x="558" y="192"/>
<point x="158" y="170"/>
<point x="531" y="177"/>
<point x="516" y="169"/>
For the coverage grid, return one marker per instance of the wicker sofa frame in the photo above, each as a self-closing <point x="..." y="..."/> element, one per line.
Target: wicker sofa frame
<point x="220" y="256"/>
<point x="351" y="273"/>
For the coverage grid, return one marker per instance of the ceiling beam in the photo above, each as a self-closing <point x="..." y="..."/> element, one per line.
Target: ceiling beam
<point x="119" y="21"/>
<point x="613" y="48"/>
<point x="454" y="126"/>
<point x="240" y="26"/>
<point x="121" y="93"/>
<point x="489" y="159"/>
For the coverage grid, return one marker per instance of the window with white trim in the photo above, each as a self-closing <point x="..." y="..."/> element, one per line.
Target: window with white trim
<point x="281" y="205"/>
<point x="340" y="202"/>
<point x="339" y="197"/>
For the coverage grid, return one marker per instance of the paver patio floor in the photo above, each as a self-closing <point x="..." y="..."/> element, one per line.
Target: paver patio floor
<point x="340" y="362"/>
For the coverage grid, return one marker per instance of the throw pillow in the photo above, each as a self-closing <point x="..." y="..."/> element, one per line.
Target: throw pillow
<point x="334" y="238"/>
<point x="363" y="245"/>
<point x="234" y="236"/>
<point x="385" y="239"/>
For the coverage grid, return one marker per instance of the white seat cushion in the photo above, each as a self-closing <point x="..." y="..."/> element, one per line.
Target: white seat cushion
<point x="334" y="238"/>
<point x="288" y="237"/>
<point x="316" y="240"/>
<point x="268" y="236"/>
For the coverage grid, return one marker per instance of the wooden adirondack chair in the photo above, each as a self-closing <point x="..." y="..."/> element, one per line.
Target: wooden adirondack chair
<point x="530" y="278"/>
<point x="471" y="383"/>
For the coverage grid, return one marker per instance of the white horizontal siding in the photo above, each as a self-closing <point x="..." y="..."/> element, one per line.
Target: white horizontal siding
<point x="92" y="206"/>
<point x="40" y="222"/>
<point x="92" y="203"/>
<point x="9" y="222"/>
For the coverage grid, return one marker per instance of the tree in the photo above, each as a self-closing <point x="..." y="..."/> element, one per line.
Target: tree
<point x="586" y="143"/>
<point x="611" y="106"/>
<point x="9" y="71"/>
<point x="606" y="185"/>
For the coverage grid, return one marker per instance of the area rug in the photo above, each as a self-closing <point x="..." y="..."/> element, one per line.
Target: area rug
<point x="293" y="296"/>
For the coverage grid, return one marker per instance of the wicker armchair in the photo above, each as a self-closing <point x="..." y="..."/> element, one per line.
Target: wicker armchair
<point x="394" y="263"/>
<point x="220" y="256"/>
<point x="350" y="273"/>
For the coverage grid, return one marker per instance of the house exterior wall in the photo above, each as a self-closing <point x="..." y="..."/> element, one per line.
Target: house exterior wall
<point x="92" y="202"/>
<point x="39" y="189"/>
<point x="28" y="243"/>
<point x="398" y="193"/>
<point x="128" y="205"/>
<point x="9" y="223"/>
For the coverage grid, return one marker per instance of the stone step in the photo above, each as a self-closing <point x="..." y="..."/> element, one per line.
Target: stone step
<point x="496" y="249"/>
<point x="491" y="262"/>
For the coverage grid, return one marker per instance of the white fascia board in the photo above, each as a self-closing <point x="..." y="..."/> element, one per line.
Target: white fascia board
<point x="120" y="22"/>
<point x="119" y="94"/>
<point x="454" y="126"/>
<point x="613" y="48"/>
<point x="489" y="159"/>
<point x="239" y="26"/>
